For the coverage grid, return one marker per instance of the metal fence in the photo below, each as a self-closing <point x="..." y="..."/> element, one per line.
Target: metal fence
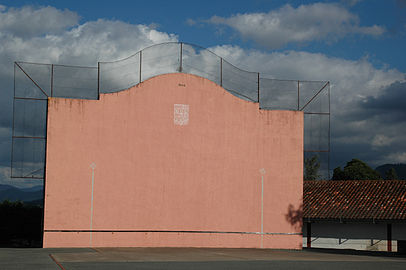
<point x="34" y="83"/>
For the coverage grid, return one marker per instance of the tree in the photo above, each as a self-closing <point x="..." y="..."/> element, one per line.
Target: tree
<point x="338" y="174"/>
<point x="312" y="166"/>
<point x="399" y="168"/>
<point x="391" y="174"/>
<point x="356" y="170"/>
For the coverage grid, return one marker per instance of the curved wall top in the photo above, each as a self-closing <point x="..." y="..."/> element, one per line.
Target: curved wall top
<point x="176" y="57"/>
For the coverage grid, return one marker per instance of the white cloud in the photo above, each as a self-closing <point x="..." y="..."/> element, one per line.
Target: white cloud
<point x="351" y="2"/>
<point x="4" y="174"/>
<point x="84" y="44"/>
<point x="318" y="21"/>
<point x="350" y="79"/>
<point x="28" y="21"/>
<point x="398" y="157"/>
<point x="190" y="22"/>
<point x="381" y="140"/>
<point x="22" y="183"/>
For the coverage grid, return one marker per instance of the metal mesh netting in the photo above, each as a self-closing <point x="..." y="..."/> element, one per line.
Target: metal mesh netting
<point x="74" y="82"/>
<point x="308" y="90"/>
<point x="317" y="128"/>
<point x="311" y="97"/>
<point x="30" y="118"/>
<point x="323" y="159"/>
<point x="201" y="62"/>
<point x="34" y="83"/>
<point x="32" y="80"/>
<point x="29" y="133"/>
<point x="316" y="132"/>
<point x="32" y="86"/>
<point x="28" y="159"/>
<point x="317" y="125"/>
<point x="320" y="102"/>
<point x="241" y="83"/>
<point x="160" y="59"/>
<point x="278" y="94"/>
<point x="119" y="75"/>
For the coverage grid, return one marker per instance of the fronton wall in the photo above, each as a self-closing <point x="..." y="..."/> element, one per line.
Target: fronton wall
<point x="174" y="161"/>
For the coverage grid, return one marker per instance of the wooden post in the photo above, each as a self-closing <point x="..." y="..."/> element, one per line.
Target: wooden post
<point x="389" y="236"/>
<point x="309" y="234"/>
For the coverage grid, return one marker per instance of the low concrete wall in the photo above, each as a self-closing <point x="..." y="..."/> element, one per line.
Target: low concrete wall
<point x="358" y="236"/>
<point x="173" y="161"/>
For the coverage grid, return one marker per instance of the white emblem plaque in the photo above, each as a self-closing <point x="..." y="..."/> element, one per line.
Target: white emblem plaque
<point x="181" y="114"/>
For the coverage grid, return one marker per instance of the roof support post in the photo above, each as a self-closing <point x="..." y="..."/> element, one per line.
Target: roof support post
<point x="389" y="236"/>
<point x="309" y="234"/>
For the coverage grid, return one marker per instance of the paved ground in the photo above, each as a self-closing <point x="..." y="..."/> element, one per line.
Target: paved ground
<point x="193" y="258"/>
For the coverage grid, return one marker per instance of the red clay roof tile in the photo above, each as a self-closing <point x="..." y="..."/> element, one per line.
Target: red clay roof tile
<point x="355" y="199"/>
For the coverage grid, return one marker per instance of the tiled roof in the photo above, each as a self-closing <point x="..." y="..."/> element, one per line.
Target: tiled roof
<point x="361" y="199"/>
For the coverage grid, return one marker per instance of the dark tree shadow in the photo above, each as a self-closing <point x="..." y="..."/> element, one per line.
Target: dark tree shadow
<point x="21" y="224"/>
<point x="295" y="216"/>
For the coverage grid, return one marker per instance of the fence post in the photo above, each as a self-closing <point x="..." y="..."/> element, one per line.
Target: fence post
<point x="258" y="92"/>
<point x="140" y="65"/>
<point x="328" y="162"/>
<point x="309" y="234"/>
<point x="389" y="237"/>
<point x="298" y="96"/>
<point x="221" y="71"/>
<point x="180" y="58"/>
<point x="98" y="80"/>
<point x="12" y="134"/>
<point x="52" y="80"/>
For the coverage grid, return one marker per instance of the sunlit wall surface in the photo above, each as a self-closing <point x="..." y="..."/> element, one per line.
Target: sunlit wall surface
<point x="174" y="161"/>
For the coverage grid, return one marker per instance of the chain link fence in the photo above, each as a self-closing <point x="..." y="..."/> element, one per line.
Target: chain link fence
<point x="34" y="83"/>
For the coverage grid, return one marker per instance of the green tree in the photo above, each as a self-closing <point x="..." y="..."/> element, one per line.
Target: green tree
<point x="311" y="166"/>
<point x="338" y="174"/>
<point x="391" y="174"/>
<point x="356" y="170"/>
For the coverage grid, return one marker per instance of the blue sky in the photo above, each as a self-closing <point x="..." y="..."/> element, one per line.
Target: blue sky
<point x="172" y="17"/>
<point x="357" y="45"/>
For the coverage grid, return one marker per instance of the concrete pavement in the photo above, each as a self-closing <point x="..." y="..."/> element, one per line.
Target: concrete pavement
<point x="192" y="258"/>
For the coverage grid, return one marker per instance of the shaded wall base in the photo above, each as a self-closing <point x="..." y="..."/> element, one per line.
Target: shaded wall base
<point x="169" y="239"/>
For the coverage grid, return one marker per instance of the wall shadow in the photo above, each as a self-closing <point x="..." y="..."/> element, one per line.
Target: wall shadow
<point x="294" y="216"/>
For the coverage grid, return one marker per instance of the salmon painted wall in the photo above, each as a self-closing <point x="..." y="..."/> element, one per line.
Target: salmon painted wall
<point x="173" y="161"/>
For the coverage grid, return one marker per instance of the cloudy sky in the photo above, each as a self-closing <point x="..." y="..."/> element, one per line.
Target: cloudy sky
<point x="356" y="45"/>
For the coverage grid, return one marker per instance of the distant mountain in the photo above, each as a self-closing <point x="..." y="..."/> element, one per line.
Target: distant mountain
<point x="13" y="193"/>
<point x="39" y="202"/>
<point x="5" y="187"/>
<point x="399" y="168"/>
<point x="31" y="189"/>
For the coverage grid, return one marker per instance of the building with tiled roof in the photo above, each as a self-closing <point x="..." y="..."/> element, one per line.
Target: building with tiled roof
<point x="355" y="214"/>
<point x="355" y="200"/>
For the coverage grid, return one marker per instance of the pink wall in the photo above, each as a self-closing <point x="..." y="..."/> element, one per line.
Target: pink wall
<point x="154" y="174"/>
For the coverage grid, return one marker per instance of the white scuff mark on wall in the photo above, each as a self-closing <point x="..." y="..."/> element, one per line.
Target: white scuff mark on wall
<point x="262" y="172"/>
<point x="92" y="166"/>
